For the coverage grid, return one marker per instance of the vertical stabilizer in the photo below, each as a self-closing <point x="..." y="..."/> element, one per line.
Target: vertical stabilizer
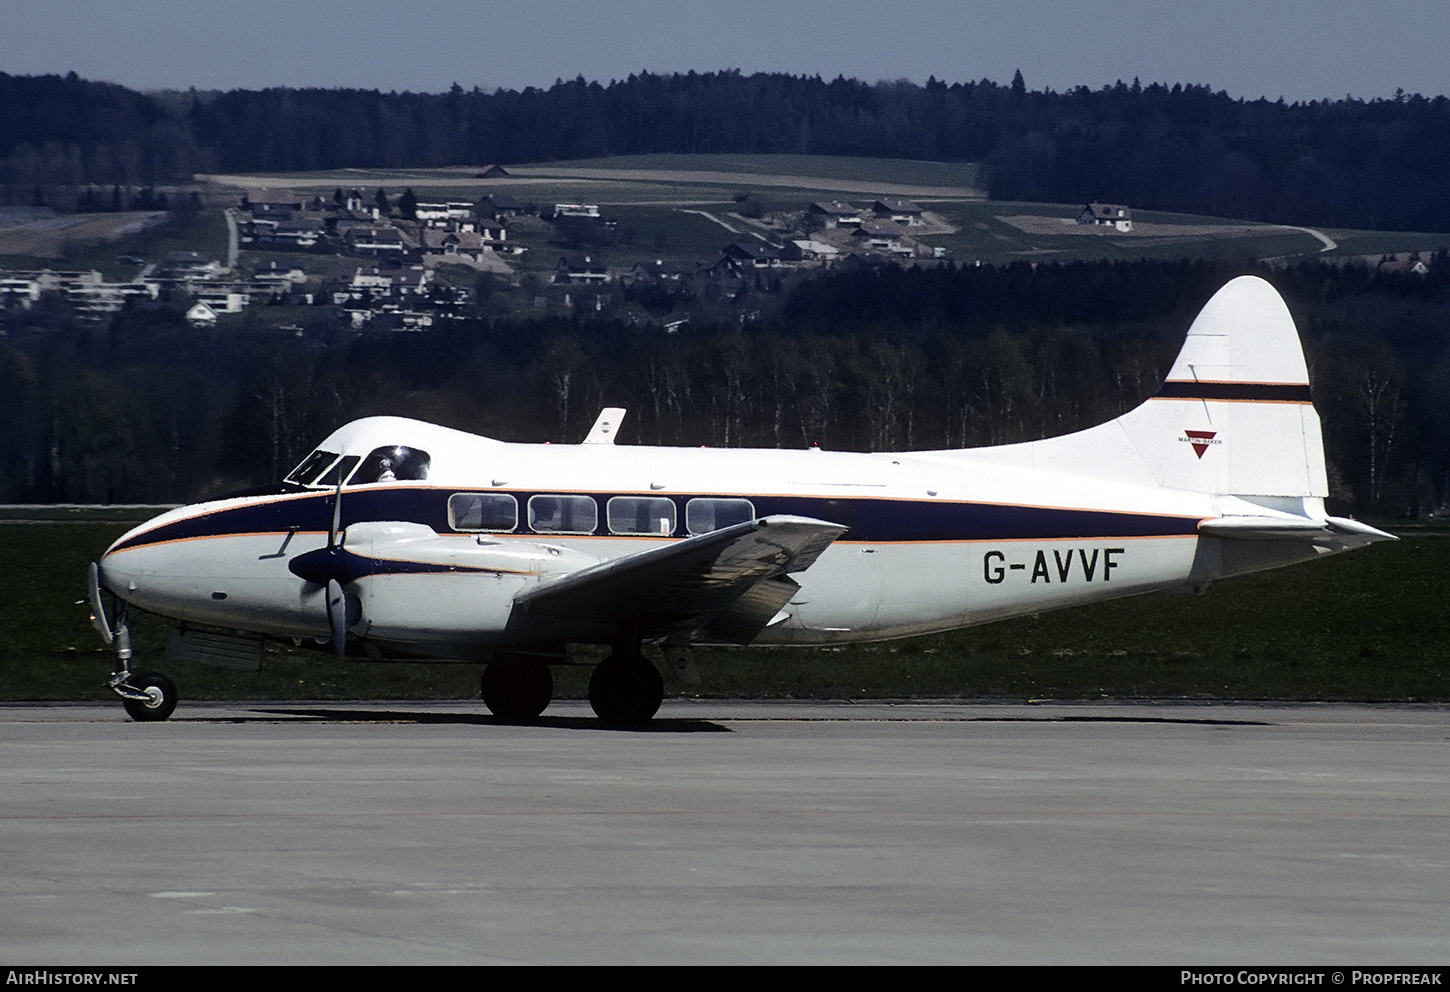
<point x="1234" y="415"/>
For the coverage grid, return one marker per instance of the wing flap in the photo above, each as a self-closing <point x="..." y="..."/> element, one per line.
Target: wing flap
<point x="734" y="575"/>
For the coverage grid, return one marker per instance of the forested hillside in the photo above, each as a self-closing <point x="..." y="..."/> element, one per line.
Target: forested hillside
<point x="1346" y="163"/>
<point x="146" y="408"/>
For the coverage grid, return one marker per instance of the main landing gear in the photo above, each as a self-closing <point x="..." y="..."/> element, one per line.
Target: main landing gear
<point x="516" y="687"/>
<point x="624" y="689"/>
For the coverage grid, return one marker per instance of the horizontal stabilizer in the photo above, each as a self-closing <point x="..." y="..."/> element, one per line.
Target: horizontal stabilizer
<point x="1334" y="530"/>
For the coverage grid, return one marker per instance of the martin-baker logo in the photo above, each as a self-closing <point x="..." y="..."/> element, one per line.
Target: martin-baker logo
<point x="1200" y="440"/>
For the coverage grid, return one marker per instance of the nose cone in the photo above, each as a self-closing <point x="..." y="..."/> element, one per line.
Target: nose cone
<point x="217" y="564"/>
<point x="139" y="552"/>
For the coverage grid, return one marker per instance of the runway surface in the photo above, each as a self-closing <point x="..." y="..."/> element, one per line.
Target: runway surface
<point x="727" y="832"/>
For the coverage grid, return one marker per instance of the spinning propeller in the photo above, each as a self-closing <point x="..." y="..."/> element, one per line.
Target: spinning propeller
<point x="328" y="567"/>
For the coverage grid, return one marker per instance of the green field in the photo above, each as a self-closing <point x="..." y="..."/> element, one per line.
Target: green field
<point x="648" y="196"/>
<point x="644" y="193"/>
<point x="1371" y="625"/>
<point x="204" y="231"/>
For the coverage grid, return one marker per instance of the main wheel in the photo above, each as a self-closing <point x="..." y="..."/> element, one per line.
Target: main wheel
<point x="160" y="697"/>
<point x="626" y="689"/>
<point x="516" y="690"/>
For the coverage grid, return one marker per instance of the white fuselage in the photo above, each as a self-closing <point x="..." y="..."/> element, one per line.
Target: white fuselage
<point x="936" y="540"/>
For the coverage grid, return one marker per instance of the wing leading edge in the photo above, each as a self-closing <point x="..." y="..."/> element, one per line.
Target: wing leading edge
<point x="726" y="585"/>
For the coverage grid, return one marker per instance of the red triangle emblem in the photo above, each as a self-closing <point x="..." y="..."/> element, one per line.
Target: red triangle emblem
<point x="1200" y="440"/>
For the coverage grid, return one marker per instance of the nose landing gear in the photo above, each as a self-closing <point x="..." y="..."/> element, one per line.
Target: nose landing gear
<point x="147" y="696"/>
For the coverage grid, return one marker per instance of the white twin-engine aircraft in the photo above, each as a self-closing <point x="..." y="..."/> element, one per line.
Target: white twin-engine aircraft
<point x="398" y="539"/>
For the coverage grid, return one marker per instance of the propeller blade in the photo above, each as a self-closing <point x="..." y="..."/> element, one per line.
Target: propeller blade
<point x="337" y="616"/>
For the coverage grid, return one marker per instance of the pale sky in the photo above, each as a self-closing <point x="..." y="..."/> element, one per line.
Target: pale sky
<point x="1295" y="49"/>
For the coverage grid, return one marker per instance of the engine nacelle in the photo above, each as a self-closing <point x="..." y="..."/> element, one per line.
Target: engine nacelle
<point x="426" y="592"/>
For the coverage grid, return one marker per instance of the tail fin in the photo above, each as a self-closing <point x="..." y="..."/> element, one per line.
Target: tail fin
<point x="1232" y="418"/>
<point x="1234" y="415"/>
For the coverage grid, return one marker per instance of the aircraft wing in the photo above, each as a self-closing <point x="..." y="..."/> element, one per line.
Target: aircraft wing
<point x="727" y="584"/>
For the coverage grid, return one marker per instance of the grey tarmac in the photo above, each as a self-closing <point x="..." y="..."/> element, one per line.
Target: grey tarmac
<point x="727" y="832"/>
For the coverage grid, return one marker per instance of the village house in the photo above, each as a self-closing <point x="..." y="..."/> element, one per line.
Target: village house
<point x="808" y="250"/>
<point x="752" y="253"/>
<point x="189" y="266"/>
<point x="885" y="235"/>
<point x="201" y="314"/>
<point x="1392" y="264"/>
<point x="1113" y="215"/>
<point x="499" y="207"/>
<point x="899" y="211"/>
<point x="376" y="241"/>
<point x="304" y="233"/>
<point x="454" y="244"/>
<point x="579" y="270"/>
<point x="834" y="213"/>
<point x="87" y="292"/>
<point x="656" y="271"/>
<point x="442" y="214"/>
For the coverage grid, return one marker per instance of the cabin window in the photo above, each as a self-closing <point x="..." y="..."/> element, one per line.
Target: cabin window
<point x="706" y="514"/>
<point x="310" y="467"/>
<point x="563" y="514"/>
<point x="395" y="462"/>
<point x="641" y="515"/>
<point x="483" y="511"/>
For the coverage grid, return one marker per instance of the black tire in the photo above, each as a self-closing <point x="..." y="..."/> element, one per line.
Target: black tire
<point x="162" y="701"/>
<point x="516" y="691"/>
<point x="626" y="689"/>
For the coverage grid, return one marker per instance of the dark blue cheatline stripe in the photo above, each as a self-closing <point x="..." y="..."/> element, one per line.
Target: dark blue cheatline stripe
<point x="1257" y="392"/>
<point x="873" y="520"/>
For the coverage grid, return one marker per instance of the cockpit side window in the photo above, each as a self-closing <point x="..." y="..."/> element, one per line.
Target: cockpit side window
<point x="339" y="472"/>
<point x="393" y="463"/>
<point x="310" y="467"/>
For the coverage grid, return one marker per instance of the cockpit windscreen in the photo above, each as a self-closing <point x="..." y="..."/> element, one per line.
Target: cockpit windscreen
<point x="394" y="462"/>
<point x="310" y="467"/>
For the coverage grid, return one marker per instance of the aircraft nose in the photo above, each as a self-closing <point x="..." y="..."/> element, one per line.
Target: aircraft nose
<point x="116" y="574"/>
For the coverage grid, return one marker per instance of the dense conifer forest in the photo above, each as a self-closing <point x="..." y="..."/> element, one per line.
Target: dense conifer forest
<point x="1375" y="164"/>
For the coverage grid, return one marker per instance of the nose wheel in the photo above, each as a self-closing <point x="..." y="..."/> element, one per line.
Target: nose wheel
<point x="147" y="696"/>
